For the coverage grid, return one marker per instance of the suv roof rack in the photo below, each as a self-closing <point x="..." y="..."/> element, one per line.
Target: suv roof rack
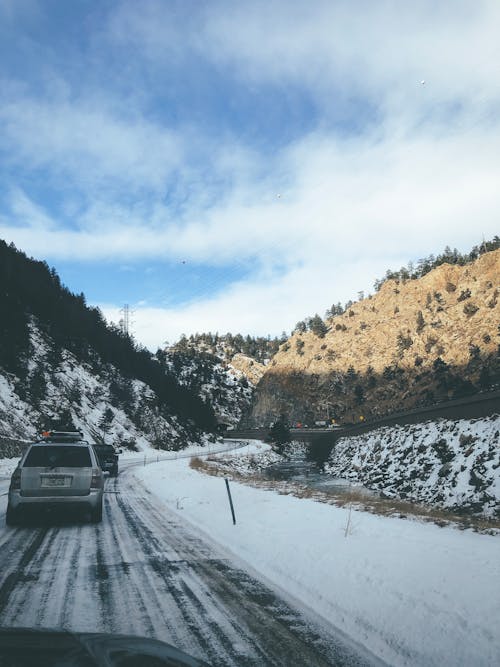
<point x="61" y="436"/>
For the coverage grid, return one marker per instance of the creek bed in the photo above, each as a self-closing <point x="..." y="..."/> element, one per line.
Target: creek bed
<point x="307" y="474"/>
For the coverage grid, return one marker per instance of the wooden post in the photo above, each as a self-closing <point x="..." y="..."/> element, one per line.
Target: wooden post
<point x="230" y="500"/>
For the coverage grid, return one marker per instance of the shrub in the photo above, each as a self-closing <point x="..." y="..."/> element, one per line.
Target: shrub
<point x="443" y="451"/>
<point x="466" y="440"/>
<point x="420" y="321"/>
<point x="464" y="294"/>
<point x="493" y="301"/>
<point x="438" y="297"/>
<point x="474" y="351"/>
<point x="470" y="309"/>
<point x="196" y="463"/>
<point x="403" y="342"/>
<point x="431" y="341"/>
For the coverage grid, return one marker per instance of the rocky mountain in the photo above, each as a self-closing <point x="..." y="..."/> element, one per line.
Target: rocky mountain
<point x="410" y="344"/>
<point x="211" y="366"/>
<point x="251" y="369"/>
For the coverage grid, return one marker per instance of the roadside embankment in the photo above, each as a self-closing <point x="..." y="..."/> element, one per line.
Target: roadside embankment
<point x="451" y="464"/>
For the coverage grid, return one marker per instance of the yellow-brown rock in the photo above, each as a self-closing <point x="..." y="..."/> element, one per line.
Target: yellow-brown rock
<point x="452" y="313"/>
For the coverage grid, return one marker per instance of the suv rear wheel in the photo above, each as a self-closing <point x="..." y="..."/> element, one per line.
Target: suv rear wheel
<point x="96" y="514"/>
<point x="12" y="516"/>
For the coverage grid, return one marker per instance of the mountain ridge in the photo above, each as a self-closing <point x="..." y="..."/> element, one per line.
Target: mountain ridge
<point x="410" y="343"/>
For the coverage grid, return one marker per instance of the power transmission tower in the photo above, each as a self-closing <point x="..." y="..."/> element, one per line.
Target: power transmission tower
<point x="126" y="319"/>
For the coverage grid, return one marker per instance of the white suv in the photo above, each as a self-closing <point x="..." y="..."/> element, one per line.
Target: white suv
<point x="61" y="470"/>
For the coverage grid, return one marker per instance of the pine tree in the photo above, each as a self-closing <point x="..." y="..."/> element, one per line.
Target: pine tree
<point x="317" y="326"/>
<point x="279" y="435"/>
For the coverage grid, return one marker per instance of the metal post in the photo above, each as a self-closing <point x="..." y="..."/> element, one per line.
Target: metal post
<point x="230" y="500"/>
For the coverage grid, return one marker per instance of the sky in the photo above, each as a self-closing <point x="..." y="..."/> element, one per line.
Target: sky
<point x="237" y="166"/>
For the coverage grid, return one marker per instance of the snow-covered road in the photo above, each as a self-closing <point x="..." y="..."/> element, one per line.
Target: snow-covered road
<point x="144" y="572"/>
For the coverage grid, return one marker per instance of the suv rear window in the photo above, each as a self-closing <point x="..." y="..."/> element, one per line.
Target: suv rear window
<point x="104" y="449"/>
<point x="58" y="456"/>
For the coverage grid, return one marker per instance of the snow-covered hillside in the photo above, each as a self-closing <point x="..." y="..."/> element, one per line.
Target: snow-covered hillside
<point x="212" y="379"/>
<point x="449" y="464"/>
<point x="98" y="399"/>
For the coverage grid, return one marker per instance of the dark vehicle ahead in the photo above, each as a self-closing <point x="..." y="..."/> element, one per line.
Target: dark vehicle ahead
<point x="108" y="458"/>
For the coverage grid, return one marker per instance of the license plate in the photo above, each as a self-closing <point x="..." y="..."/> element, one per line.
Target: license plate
<point x="56" y="481"/>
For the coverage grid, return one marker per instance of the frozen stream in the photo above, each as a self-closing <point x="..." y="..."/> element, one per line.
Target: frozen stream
<point x="308" y="475"/>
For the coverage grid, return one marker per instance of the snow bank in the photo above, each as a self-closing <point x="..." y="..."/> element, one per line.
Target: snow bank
<point x="450" y="464"/>
<point x="413" y="594"/>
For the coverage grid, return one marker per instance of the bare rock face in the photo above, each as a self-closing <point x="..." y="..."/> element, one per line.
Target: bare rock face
<point x="251" y="369"/>
<point x="412" y="343"/>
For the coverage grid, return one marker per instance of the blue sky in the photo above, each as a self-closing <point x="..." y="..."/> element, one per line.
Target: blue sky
<point x="236" y="166"/>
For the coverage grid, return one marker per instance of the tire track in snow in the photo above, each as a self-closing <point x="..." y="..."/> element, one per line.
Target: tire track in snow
<point x="16" y="571"/>
<point x="71" y="587"/>
<point x="167" y="570"/>
<point x="226" y="593"/>
<point x="276" y="633"/>
<point x="145" y="590"/>
<point x="192" y="594"/>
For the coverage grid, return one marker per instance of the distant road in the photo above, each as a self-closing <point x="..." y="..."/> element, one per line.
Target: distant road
<point x="470" y="407"/>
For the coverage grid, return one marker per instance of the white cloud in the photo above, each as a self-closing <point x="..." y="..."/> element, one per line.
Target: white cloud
<point x="28" y="214"/>
<point x="416" y="192"/>
<point x="422" y="173"/>
<point x="92" y="146"/>
<point x="338" y="50"/>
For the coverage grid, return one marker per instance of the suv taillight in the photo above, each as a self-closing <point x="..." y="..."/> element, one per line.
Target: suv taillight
<point x="15" y="480"/>
<point x="96" y="481"/>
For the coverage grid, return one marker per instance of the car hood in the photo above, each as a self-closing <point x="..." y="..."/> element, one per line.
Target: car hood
<point x="28" y="647"/>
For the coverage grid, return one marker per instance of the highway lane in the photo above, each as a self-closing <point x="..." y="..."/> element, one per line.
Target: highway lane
<point x="143" y="572"/>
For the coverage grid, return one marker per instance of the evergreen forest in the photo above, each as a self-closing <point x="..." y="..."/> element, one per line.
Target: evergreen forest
<point x="30" y="291"/>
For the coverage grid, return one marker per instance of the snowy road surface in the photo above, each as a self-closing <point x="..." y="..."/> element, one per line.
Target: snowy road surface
<point x="143" y="572"/>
